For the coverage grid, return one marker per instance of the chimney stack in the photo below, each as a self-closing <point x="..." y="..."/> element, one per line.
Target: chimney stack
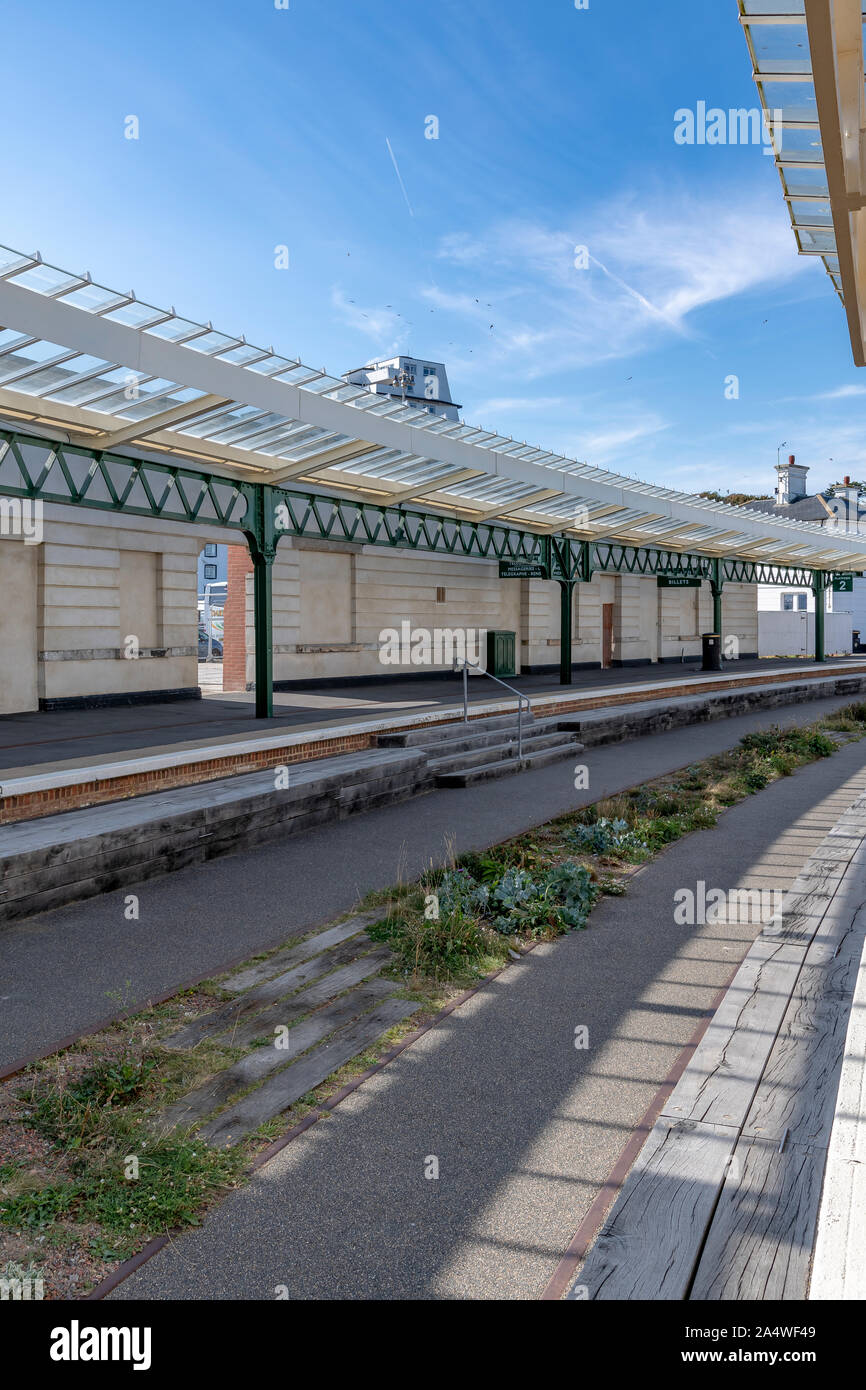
<point x="791" y="485"/>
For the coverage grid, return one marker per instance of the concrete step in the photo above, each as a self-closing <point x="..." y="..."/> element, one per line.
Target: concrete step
<point x="478" y="736"/>
<point x="486" y="772"/>
<point x="497" y="752"/>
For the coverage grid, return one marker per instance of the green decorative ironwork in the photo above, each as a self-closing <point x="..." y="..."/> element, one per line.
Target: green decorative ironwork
<point x="610" y="556"/>
<point x="77" y="476"/>
<point x="366" y="523"/>
<point x="750" y="572"/>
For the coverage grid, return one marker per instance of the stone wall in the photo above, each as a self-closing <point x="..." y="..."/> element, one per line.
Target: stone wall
<point x="100" y="588"/>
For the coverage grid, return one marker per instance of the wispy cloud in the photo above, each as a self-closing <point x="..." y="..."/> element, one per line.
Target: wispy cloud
<point x="651" y="268"/>
<point x="605" y="444"/>
<point x="383" y="325"/>
<point x="841" y="393"/>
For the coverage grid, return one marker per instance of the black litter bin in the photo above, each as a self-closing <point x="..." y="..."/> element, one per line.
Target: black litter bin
<point x="712" y="651"/>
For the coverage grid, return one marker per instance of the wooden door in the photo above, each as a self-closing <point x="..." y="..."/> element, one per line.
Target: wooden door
<point x="607" y="635"/>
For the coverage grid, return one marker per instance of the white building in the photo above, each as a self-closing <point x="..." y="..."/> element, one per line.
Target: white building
<point x="410" y="379"/>
<point x="786" y="616"/>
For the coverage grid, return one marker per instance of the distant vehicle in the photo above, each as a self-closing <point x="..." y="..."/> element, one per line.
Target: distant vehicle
<point x="216" y="645"/>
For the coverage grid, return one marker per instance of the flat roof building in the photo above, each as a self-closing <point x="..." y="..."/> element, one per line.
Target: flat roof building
<point x="412" y="380"/>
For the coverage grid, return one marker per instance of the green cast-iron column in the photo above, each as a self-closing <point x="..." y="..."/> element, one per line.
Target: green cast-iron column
<point x="819" y="580"/>
<point x="566" y="589"/>
<point x="262" y="541"/>
<point x="561" y="566"/>
<point x="716" y="586"/>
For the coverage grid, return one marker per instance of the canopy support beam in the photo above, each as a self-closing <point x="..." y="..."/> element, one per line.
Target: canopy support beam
<point x="262" y="540"/>
<point x="566" y="592"/>
<point x="819" y="580"/>
<point x="717" y="584"/>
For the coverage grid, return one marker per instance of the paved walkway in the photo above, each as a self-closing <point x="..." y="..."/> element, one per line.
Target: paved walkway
<point x="525" y="1127"/>
<point x="63" y="971"/>
<point x="30" y="740"/>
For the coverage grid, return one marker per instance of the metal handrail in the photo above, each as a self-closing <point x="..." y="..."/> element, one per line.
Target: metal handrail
<point x="470" y="665"/>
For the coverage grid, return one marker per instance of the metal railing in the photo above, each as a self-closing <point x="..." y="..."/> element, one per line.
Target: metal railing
<point x="465" y="667"/>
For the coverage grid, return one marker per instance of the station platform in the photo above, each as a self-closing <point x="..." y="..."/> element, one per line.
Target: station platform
<point x="66" y="760"/>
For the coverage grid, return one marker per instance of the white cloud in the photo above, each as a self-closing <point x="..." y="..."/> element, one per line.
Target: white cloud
<point x="383" y="325"/>
<point x="653" y="266"/>
<point x="605" y="444"/>
<point x="841" y="393"/>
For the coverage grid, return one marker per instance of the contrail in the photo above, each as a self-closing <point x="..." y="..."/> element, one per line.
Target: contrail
<point x="399" y="176"/>
<point x="675" y="324"/>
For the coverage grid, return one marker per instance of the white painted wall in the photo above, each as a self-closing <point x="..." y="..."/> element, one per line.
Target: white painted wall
<point x="793" y="634"/>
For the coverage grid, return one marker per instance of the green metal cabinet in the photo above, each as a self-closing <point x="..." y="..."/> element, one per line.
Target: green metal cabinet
<point x="501" y="648"/>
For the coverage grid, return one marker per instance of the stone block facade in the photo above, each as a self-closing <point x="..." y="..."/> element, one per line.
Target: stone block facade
<point x="105" y="608"/>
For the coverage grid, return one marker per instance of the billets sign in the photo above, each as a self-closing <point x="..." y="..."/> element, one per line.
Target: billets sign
<point x="677" y="581"/>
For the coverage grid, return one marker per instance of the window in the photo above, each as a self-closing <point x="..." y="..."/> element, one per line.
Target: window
<point x="794" y="603"/>
<point x="210" y="571"/>
<point x="210" y="552"/>
<point x="440" y="595"/>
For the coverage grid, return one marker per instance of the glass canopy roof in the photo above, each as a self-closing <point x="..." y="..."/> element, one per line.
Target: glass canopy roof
<point x="112" y="372"/>
<point x="778" y="43"/>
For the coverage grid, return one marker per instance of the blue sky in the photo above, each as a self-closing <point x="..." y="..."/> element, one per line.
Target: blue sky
<point x="262" y="127"/>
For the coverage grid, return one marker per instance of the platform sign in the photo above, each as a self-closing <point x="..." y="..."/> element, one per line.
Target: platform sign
<point x="677" y="581"/>
<point x="843" y="584"/>
<point x="521" y="569"/>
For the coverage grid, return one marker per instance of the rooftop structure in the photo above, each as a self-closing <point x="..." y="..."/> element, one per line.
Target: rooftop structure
<point x="411" y="381"/>
<point x="807" y="61"/>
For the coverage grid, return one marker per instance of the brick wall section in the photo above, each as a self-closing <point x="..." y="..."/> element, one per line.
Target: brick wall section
<point x="235" y="620"/>
<point x="53" y="800"/>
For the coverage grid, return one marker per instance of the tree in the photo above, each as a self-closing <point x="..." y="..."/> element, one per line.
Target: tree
<point x="736" y="499"/>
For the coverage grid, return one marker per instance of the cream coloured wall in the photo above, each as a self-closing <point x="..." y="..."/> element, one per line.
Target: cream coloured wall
<point x="19" y="583"/>
<point x="331" y="606"/>
<point x="96" y="579"/>
<point x="681" y="621"/>
<point x="99" y="579"/>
